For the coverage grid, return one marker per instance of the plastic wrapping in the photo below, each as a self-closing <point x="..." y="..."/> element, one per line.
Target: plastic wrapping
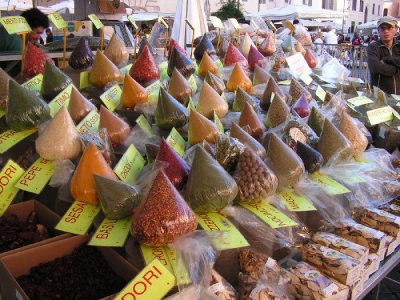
<point x="116" y="51"/>
<point x="302" y="35"/>
<point x="180" y="88"/>
<point x="228" y="151"/>
<point x="247" y="140"/>
<point x="334" y="71"/>
<point x="35" y="60"/>
<point x="153" y="228"/>
<point x="82" y="56"/>
<point x="288" y="43"/>
<point x="143" y="44"/>
<point x="54" y="81"/>
<point x="255" y="180"/>
<point x="357" y="139"/>
<point x="284" y="162"/>
<point x="205" y="46"/>
<point x="140" y="138"/>
<point x="145" y="69"/>
<point x="62" y="173"/>
<point x="233" y="57"/>
<point x="60" y="140"/>
<point x="79" y="106"/>
<point x="255" y="58"/>
<point x="311" y="158"/>
<point x="200" y="128"/>
<point x="277" y="113"/>
<point x="182" y="63"/>
<point x="102" y="141"/>
<point x="215" y="82"/>
<point x="170" y="112"/>
<point x="83" y="187"/>
<point x="316" y="120"/>
<point x="268" y="47"/>
<point x="260" y="75"/>
<point x="246" y="44"/>
<point x="278" y="59"/>
<point x="4" y="79"/>
<point x="297" y="90"/>
<point x="133" y="93"/>
<point x="117" y="128"/>
<point x="117" y="199"/>
<point x="207" y="64"/>
<point x="272" y="87"/>
<point x="211" y="102"/>
<point x="177" y="169"/>
<point x="209" y="186"/>
<point x="302" y="107"/>
<point x="103" y="71"/>
<point x="172" y="45"/>
<point x="25" y="110"/>
<point x="310" y="59"/>
<point x="237" y="79"/>
<point x="241" y="98"/>
<point x="299" y="48"/>
<point x="249" y="117"/>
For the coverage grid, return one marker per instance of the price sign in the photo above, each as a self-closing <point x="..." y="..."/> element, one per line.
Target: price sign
<point x="15" y="24"/>
<point x="217" y="23"/>
<point x="96" y="21"/>
<point x="58" y="20"/>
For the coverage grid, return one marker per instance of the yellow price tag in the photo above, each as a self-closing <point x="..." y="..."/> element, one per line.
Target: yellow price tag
<point x="15" y="24"/>
<point x="84" y="80"/>
<point x="285" y="82"/>
<point x="153" y="91"/>
<point x="58" y="20"/>
<point x="144" y="125"/>
<point x="9" y="175"/>
<point x="380" y="115"/>
<point x="2" y="112"/>
<point x="296" y="202"/>
<point x="37" y="176"/>
<point x="34" y="84"/>
<point x="133" y="22"/>
<point x="111" y="233"/>
<point x="130" y="165"/>
<point x="90" y="123"/>
<point x="125" y="70"/>
<point x="329" y="185"/>
<point x="359" y="101"/>
<point x="320" y="93"/>
<point x="306" y="78"/>
<point x="10" y="138"/>
<point x="217" y="23"/>
<point x="112" y="97"/>
<point x="96" y="21"/>
<point x="235" y="23"/>
<point x="176" y="141"/>
<point x="62" y="99"/>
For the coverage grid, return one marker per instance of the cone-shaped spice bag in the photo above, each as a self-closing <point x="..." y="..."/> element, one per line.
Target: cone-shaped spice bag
<point x="117" y="129"/>
<point x="177" y="169"/>
<point x="245" y="45"/>
<point x="260" y="75"/>
<point x="172" y="45"/>
<point x="279" y="58"/>
<point x="255" y="58"/>
<point x="215" y="82"/>
<point x="310" y="59"/>
<point x="163" y="215"/>
<point x="60" y="140"/>
<point x="133" y="93"/>
<point x="205" y="46"/>
<point x="180" y="88"/>
<point x="302" y="107"/>
<point x="233" y="56"/>
<point x="210" y="101"/>
<point x="249" y="117"/>
<point x="311" y="158"/>
<point x="116" y="51"/>
<point x="333" y="143"/>
<point x="255" y="180"/>
<point x="288" y="43"/>
<point x="209" y="186"/>
<point x="182" y="63"/>
<point x="103" y="71"/>
<point x="143" y="44"/>
<point x="35" y="60"/>
<point x="277" y="112"/>
<point x="25" y="110"/>
<point x="241" y="98"/>
<point x="83" y="187"/>
<point x="4" y="79"/>
<point x="297" y="90"/>
<point x="350" y="130"/>
<point x="200" y="129"/>
<point x="272" y="87"/>
<point x="117" y="198"/>
<point x="267" y="47"/>
<point x="145" y="69"/>
<point x="284" y="162"/>
<point x="170" y="112"/>
<point x="299" y="48"/>
<point x="82" y="56"/>
<point x="54" y="81"/>
<point x="239" y="79"/>
<point x="79" y="106"/>
<point x="207" y="64"/>
<point x="316" y="121"/>
<point x="247" y="140"/>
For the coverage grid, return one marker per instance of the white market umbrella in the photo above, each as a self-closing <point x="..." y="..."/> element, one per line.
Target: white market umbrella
<point x="368" y="25"/>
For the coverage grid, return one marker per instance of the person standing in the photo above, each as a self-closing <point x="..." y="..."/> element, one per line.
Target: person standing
<point x="384" y="57"/>
<point x="331" y="37"/>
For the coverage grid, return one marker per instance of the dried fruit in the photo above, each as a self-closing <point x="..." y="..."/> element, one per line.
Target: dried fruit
<point x="182" y="63"/>
<point x="35" y="60"/>
<point x="103" y="71"/>
<point x="207" y="64"/>
<point x="260" y="75"/>
<point x="355" y="136"/>
<point x="277" y="113"/>
<point x="153" y="228"/>
<point x="302" y="107"/>
<point x="145" y="69"/>
<point x="311" y="158"/>
<point x="241" y="98"/>
<point x="272" y="87"/>
<point x="239" y="78"/>
<point x="180" y="88"/>
<point x="133" y="93"/>
<point x="170" y="112"/>
<point x="117" y="128"/>
<point x="247" y="140"/>
<point x="54" y="81"/>
<point x="82" y="56"/>
<point x="200" y="128"/>
<point x="215" y="82"/>
<point x="249" y="117"/>
<point x="205" y="46"/>
<point x="210" y="101"/>
<point x="233" y="57"/>
<point x="255" y="58"/>
<point x="116" y="51"/>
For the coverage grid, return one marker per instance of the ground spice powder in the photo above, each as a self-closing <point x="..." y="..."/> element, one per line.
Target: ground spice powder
<point x="210" y="101"/>
<point x="103" y="71"/>
<point x="117" y="128"/>
<point x="79" y="106"/>
<point x="200" y="128"/>
<point x="170" y="112"/>
<point x="180" y="88"/>
<point x="133" y="93"/>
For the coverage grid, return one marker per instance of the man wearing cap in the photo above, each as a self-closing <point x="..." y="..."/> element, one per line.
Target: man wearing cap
<point x="384" y="57"/>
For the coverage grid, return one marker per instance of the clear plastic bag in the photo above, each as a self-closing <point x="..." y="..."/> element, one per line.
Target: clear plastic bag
<point x="139" y="139"/>
<point x="54" y="81"/>
<point x="302" y="35"/>
<point x="102" y="141"/>
<point x="116" y="51"/>
<point x="82" y="56"/>
<point x="247" y="140"/>
<point x="62" y="173"/>
<point x="334" y="71"/>
<point x="103" y="71"/>
<point x="170" y="112"/>
<point x="228" y="151"/>
<point x="4" y="80"/>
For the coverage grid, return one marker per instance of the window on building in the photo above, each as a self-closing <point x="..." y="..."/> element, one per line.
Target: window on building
<point x="262" y="1"/>
<point x="385" y="12"/>
<point x="327" y="4"/>
<point x="379" y="10"/>
<point x="354" y="6"/>
<point x="361" y="5"/>
<point x="309" y="2"/>
<point x="373" y="8"/>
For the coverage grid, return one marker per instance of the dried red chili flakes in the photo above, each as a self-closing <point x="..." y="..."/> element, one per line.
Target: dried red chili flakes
<point x="35" y="60"/>
<point x="163" y="215"/>
<point x="177" y="169"/>
<point x="145" y="69"/>
<point x="255" y="58"/>
<point x="172" y="45"/>
<point x="233" y="56"/>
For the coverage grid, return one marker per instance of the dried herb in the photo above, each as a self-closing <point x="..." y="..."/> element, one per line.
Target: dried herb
<point x="241" y="98"/>
<point x="355" y="136"/>
<point x="4" y="79"/>
<point x="180" y="88"/>
<point x="170" y="112"/>
<point x="260" y="75"/>
<point x="82" y="56"/>
<point x="145" y="69"/>
<point x="117" y="128"/>
<point x="311" y="158"/>
<point x="54" y="81"/>
<point x="133" y="93"/>
<point x="228" y="151"/>
<point x="271" y="88"/>
<point x="210" y="101"/>
<point x="205" y="46"/>
<point x="297" y="90"/>
<point x="182" y="63"/>
<point x="200" y="128"/>
<point x="316" y="120"/>
<point x="103" y="71"/>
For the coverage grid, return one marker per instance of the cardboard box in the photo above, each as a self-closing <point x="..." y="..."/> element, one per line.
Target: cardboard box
<point x="17" y="264"/>
<point x="372" y="265"/>
<point x="357" y="289"/>
<point x="392" y="246"/>
<point x="45" y="216"/>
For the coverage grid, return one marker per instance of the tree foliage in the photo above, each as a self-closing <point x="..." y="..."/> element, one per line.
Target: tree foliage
<point x="229" y="9"/>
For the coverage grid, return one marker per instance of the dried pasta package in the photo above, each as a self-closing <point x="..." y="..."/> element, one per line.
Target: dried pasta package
<point x="379" y="220"/>
<point x="170" y="112"/>
<point x="153" y="228"/>
<point x="133" y="93"/>
<point x="271" y="88"/>
<point x="25" y="110"/>
<point x="311" y="158"/>
<point x="277" y="113"/>
<point x="228" y="151"/>
<point x="118" y="199"/>
<point x="250" y="118"/>
<point x="233" y="57"/>
<point x="357" y="139"/>
<point x="172" y="45"/>
<point x="82" y="56"/>
<point x="247" y="140"/>
<point x="284" y="162"/>
<point x="54" y="81"/>
<point x="215" y="82"/>
<point x="268" y="47"/>
<point x="200" y="128"/>
<point x="145" y="69"/>
<point x="237" y="79"/>
<point x="246" y="44"/>
<point x="117" y="128"/>
<point x="207" y="64"/>
<point x="83" y="187"/>
<point x="79" y="106"/>
<point x="316" y="120"/>
<point x="182" y="63"/>
<point x="103" y="71"/>
<point x="297" y="90"/>
<point x="35" y="60"/>
<point x="180" y="88"/>
<point x="211" y="102"/>
<point x="4" y="79"/>
<point x="255" y="180"/>
<point x="255" y="58"/>
<point x="209" y="186"/>
<point x="60" y="140"/>
<point x="260" y="76"/>
<point x="241" y="98"/>
<point x="205" y="46"/>
<point x="177" y="169"/>
<point x="116" y="51"/>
